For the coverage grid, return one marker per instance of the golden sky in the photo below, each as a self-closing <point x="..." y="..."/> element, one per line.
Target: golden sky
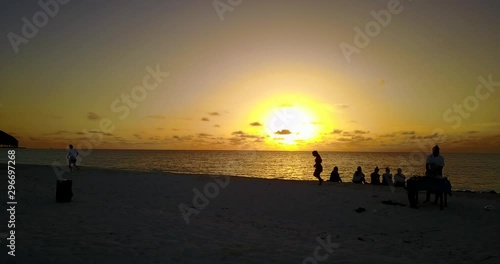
<point x="254" y="75"/>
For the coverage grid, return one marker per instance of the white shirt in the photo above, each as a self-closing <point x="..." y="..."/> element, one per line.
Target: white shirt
<point x="435" y="161"/>
<point x="399" y="177"/>
<point x="357" y="177"/>
<point x="72" y="154"/>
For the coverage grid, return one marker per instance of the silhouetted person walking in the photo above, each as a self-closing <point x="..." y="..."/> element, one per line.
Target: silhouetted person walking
<point x="72" y="154"/>
<point x="318" y="167"/>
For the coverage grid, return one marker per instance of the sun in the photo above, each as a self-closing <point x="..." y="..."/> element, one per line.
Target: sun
<point x="290" y="125"/>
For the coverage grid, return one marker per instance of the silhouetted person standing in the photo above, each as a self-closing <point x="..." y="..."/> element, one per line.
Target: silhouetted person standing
<point x="72" y="154"/>
<point x="375" y="177"/>
<point x="434" y="168"/>
<point x="434" y="164"/>
<point x="318" y="167"/>
<point x="334" y="176"/>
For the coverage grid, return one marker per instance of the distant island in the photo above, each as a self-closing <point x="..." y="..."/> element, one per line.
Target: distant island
<point x="8" y="141"/>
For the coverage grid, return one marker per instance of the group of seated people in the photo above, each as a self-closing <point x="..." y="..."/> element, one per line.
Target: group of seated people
<point x="359" y="177"/>
<point x="433" y="168"/>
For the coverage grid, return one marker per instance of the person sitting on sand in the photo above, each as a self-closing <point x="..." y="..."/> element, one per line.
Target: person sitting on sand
<point x="358" y="176"/>
<point x="318" y="167"/>
<point x="387" y="177"/>
<point x="334" y="176"/>
<point x="375" y="177"/>
<point x="72" y="154"/>
<point x="399" y="179"/>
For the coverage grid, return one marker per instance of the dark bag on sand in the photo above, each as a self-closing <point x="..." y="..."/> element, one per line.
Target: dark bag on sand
<point x="63" y="191"/>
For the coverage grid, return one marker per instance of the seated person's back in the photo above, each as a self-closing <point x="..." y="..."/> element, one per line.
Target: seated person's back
<point x="335" y="176"/>
<point x="399" y="179"/>
<point x="387" y="177"/>
<point x="375" y="177"/>
<point x="358" y="176"/>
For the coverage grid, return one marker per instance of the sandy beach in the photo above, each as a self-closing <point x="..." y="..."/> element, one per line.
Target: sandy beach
<point x="134" y="217"/>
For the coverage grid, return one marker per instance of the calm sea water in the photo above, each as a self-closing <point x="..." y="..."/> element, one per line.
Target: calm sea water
<point x="466" y="171"/>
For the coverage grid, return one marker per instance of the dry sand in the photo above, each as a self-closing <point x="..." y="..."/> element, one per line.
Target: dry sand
<point x="134" y="217"/>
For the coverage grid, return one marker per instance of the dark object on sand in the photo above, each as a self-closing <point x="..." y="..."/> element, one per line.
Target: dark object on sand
<point x="63" y="191"/>
<point x="389" y="202"/>
<point x="360" y="210"/>
<point x="440" y="186"/>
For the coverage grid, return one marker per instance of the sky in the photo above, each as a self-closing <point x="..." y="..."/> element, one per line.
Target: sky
<point x="260" y="75"/>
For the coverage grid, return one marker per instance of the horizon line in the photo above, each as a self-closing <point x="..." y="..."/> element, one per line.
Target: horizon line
<point x="264" y="150"/>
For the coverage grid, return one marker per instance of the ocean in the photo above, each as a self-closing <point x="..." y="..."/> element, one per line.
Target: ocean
<point x="478" y="172"/>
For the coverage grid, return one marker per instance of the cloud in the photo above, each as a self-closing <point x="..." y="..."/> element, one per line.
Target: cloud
<point x="99" y="132"/>
<point x="204" y="135"/>
<point x="214" y="113"/>
<point x="156" y="116"/>
<point x="381" y="83"/>
<point x="249" y="136"/>
<point x="472" y="132"/>
<point x="93" y="116"/>
<point x="205" y="119"/>
<point x="361" y="138"/>
<point x="216" y="125"/>
<point x="489" y="124"/>
<point x="255" y="124"/>
<point x="425" y="137"/>
<point x="336" y="131"/>
<point x="183" y="138"/>
<point x="361" y="132"/>
<point x="354" y="139"/>
<point x="283" y="132"/>
<point x="408" y="133"/>
<point x="59" y="132"/>
<point x="342" y="106"/>
<point x="238" y="133"/>
<point x="236" y="141"/>
<point x="159" y="128"/>
<point x="137" y="136"/>
<point x="388" y="135"/>
<point x="241" y="136"/>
